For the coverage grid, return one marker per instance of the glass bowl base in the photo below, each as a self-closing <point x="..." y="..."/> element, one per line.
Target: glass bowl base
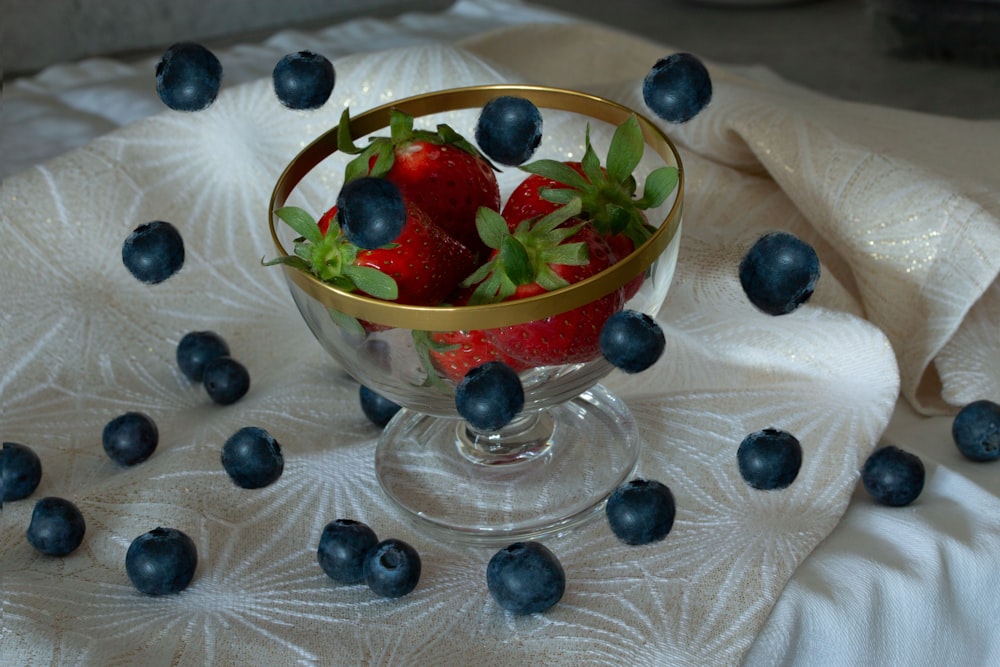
<point x="543" y="475"/>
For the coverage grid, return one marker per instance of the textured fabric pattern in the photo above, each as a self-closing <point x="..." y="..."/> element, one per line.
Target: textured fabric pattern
<point x="84" y="341"/>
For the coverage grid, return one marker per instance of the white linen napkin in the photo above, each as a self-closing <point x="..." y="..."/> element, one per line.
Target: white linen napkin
<point x="84" y="341"/>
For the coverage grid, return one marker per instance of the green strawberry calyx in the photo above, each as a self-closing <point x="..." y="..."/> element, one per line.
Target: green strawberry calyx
<point x="401" y="133"/>
<point x="608" y="195"/>
<point x="331" y="257"/>
<point x="527" y="254"/>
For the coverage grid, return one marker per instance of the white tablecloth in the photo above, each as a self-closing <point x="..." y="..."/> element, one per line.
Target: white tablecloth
<point x="903" y="209"/>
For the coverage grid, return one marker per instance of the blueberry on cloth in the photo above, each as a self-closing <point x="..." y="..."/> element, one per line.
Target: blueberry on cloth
<point x="489" y="396"/>
<point x="377" y="408"/>
<point x="226" y="380"/>
<point x="196" y="349"/>
<point x="976" y="431"/>
<point x="161" y="562"/>
<point x="391" y="568"/>
<point x="20" y="471"/>
<point x="371" y="212"/>
<point x="632" y="341"/>
<point x="252" y="458"/>
<point x="303" y="80"/>
<point x="130" y="438"/>
<point x="57" y="527"/>
<point x="525" y="578"/>
<point x="509" y="129"/>
<point x="779" y="273"/>
<point x="188" y="77"/>
<point x="342" y="550"/>
<point x="769" y="459"/>
<point x="153" y="252"/>
<point x="641" y="511"/>
<point x="892" y="476"/>
<point x="677" y="87"/>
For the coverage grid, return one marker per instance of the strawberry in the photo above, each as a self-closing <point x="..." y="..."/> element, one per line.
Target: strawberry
<point x="540" y="256"/>
<point x="452" y="354"/>
<point x="421" y="267"/>
<point x="441" y="172"/>
<point x="607" y="193"/>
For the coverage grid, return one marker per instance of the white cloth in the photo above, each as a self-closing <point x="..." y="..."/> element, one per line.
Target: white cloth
<point x="902" y="208"/>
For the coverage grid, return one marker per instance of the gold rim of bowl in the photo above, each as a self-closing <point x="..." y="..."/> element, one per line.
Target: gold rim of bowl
<point x="488" y="316"/>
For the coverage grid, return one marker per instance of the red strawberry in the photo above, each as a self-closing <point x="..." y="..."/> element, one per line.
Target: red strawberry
<point x="421" y="267"/>
<point x="607" y="193"/>
<point x="441" y="172"/>
<point x="540" y="256"/>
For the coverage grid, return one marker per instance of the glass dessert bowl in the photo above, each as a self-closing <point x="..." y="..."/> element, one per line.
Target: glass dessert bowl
<point x="553" y="466"/>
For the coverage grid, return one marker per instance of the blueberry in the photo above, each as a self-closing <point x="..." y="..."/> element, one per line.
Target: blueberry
<point x="20" y="472"/>
<point x="976" y="431"/>
<point x="56" y="527"/>
<point x="188" y="77"/>
<point x="130" y="438"/>
<point x="153" y="252"/>
<point x="525" y="578"/>
<point x="677" y="87"/>
<point x="769" y="459"/>
<point x="509" y="129"/>
<point x="303" y="80"/>
<point x="252" y="458"/>
<point x="226" y="380"/>
<point x="371" y="212"/>
<point x="632" y="341"/>
<point x="391" y="568"/>
<point x="342" y="550"/>
<point x="376" y="407"/>
<point x="489" y="396"/>
<point x="779" y="273"/>
<point x="161" y="562"/>
<point x="641" y="511"/>
<point x="892" y="476"/>
<point x="196" y="349"/>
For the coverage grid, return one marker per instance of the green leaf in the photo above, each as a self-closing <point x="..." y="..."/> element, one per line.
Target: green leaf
<point x="569" y="254"/>
<point x="591" y="163"/>
<point x="400" y="126"/>
<point x="557" y="171"/>
<point x="288" y="260"/>
<point x="345" y="142"/>
<point x="550" y="280"/>
<point x="300" y="220"/>
<point x="550" y="221"/>
<point x="559" y="195"/>
<point x="491" y="226"/>
<point x="516" y="262"/>
<point x="659" y="184"/>
<point x="373" y="282"/>
<point x="350" y="324"/>
<point x="625" y="151"/>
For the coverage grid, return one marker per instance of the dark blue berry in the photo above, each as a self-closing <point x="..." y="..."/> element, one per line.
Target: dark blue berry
<point x="342" y="550"/>
<point x="391" y="568"/>
<point x="779" y="273"/>
<point x="57" y="527"/>
<point x="489" y="396"/>
<point x="303" y="80"/>
<point x="130" y="438"/>
<point x="161" y="562"/>
<point x="188" y="77"/>
<point x="509" y="129"/>
<point x="371" y="212"/>
<point x="226" y="380"/>
<point x="20" y="471"/>
<point x="376" y="407"/>
<point x="153" y="252"/>
<point x="769" y="459"/>
<point x="892" y="476"/>
<point x="677" y="87"/>
<point x="196" y="349"/>
<point x="976" y="431"/>
<point x="525" y="578"/>
<point x="252" y="458"/>
<point x="641" y="511"/>
<point x="632" y="341"/>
